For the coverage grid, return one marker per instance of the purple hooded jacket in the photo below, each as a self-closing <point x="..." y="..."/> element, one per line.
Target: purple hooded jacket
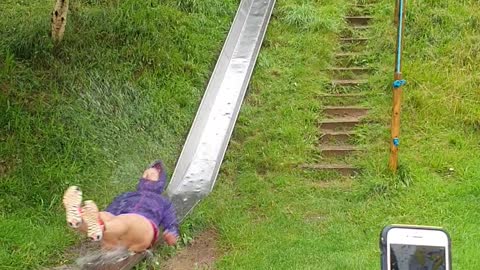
<point x="148" y="202"/>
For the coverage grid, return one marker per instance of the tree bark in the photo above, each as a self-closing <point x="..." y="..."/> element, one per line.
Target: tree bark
<point x="59" y="20"/>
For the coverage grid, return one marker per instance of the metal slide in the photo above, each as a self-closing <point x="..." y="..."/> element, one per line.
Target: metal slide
<point x="202" y="155"/>
<point x="199" y="164"/>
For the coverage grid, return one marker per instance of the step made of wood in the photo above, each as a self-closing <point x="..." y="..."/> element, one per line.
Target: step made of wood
<point x="350" y="54"/>
<point x="358" y="20"/>
<point x="348" y="95"/>
<point x="354" y="33"/>
<point x="345" y="111"/>
<point x="338" y="124"/>
<point x="352" y="62"/>
<point x="343" y="169"/>
<point x="353" y="40"/>
<point x="363" y="5"/>
<point x="343" y="99"/>
<point x="338" y="150"/>
<point x="361" y="27"/>
<point x="329" y="137"/>
<point x="348" y="82"/>
<point x="350" y="70"/>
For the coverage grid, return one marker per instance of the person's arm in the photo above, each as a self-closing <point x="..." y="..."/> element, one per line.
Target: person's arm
<point x="170" y="224"/>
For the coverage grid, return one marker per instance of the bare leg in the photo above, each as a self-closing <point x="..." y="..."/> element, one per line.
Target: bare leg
<point x="130" y="230"/>
<point x="115" y="229"/>
<point x="104" y="216"/>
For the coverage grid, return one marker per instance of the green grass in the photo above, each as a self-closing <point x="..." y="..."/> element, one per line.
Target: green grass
<point x="273" y="215"/>
<point x="124" y="86"/>
<point x="118" y="93"/>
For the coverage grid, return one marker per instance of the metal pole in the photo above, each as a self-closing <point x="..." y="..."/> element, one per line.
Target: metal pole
<point x="395" y="16"/>
<point x="397" y="87"/>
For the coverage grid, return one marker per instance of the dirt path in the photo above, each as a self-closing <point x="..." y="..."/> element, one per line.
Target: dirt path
<point x="200" y="254"/>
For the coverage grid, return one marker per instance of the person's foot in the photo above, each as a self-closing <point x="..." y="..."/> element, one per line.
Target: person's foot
<point x="92" y="220"/>
<point x="72" y="200"/>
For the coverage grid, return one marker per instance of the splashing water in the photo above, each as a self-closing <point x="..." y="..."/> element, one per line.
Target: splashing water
<point x="99" y="258"/>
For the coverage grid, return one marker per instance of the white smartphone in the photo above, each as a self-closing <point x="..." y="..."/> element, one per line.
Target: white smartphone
<point x="415" y="248"/>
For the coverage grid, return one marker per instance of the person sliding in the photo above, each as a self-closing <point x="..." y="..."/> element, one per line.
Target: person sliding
<point x="132" y="220"/>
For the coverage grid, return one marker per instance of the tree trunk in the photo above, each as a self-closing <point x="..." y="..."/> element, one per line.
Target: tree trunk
<point x="59" y="20"/>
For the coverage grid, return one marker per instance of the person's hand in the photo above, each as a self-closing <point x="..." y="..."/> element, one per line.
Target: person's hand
<point x="170" y="238"/>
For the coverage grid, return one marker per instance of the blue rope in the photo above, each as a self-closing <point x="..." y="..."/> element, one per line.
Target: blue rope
<point x="399" y="83"/>
<point x="396" y="142"/>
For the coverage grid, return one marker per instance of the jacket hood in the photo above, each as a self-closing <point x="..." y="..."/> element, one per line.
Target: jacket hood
<point x="154" y="186"/>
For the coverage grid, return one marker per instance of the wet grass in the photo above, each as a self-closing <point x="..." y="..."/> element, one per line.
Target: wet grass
<point x="273" y="215"/>
<point x="118" y="93"/>
<point x="124" y="86"/>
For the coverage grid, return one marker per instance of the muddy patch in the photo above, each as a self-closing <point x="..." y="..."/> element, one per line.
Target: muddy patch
<point x="200" y="254"/>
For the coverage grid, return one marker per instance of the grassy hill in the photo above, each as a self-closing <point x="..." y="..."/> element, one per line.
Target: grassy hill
<point x="123" y="87"/>
<point x="271" y="214"/>
<point x="118" y="93"/>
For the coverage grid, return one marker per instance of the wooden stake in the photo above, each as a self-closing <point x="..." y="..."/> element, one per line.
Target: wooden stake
<point x="397" y="91"/>
<point x="59" y="19"/>
<point x="395" y="130"/>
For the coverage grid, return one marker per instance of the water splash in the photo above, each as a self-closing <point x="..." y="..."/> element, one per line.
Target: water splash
<point x="100" y="258"/>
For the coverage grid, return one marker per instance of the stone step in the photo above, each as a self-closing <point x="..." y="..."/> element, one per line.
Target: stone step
<point x="343" y="169"/>
<point x="336" y="137"/>
<point x="358" y="20"/>
<point x="348" y="82"/>
<point x="338" y="124"/>
<point x="338" y="150"/>
<point x="345" y="111"/>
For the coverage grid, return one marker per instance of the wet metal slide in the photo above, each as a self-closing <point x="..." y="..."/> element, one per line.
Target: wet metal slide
<point x="201" y="157"/>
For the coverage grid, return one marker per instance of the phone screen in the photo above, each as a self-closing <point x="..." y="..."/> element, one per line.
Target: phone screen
<point x="410" y="257"/>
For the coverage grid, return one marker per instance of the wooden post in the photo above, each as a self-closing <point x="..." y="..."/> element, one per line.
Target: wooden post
<point x="397" y="88"/>
<point x="395" y="127"/>
<point x="59" y="19"/>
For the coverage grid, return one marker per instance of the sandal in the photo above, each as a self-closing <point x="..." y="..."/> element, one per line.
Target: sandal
<point x="72" y="200"/>
<point x="94" y="223"/>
